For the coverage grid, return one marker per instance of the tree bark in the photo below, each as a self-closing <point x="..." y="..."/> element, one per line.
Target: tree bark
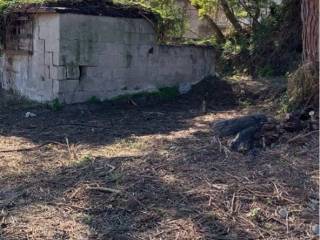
<point x="253" y="12"/>
<point x="218" y="33"/>
<point x="231" y="17"/>
<point x="303" y="85"/>
<point x="310" y="31"/>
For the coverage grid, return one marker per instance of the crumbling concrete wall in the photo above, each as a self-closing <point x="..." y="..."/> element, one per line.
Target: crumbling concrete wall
<point x="76" y="57"/>
<point x="105" y="57"/>
<point x="28" y="70"/>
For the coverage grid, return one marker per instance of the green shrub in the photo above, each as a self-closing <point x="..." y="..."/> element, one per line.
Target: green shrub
<point x="56" y="105"/>
<point x="172" y="22"/>
<point x="4" y="4"/>
<point x="94" y="100"/>
<point x="165" y="93"/>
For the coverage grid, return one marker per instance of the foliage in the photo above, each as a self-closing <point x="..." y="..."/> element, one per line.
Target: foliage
<point x="165" y="93"/>
<point x="265" y="71"/>
<point x="4" y="4"/>
<point x="272" y="47"/>
<point x="284" y="104"/>
<point x="303" y="86"/>
<point x="244" y="10"/>
<point x="172" y="24"/>
<point x="276" y="43"/>
<point x="56" y="105"/>
<point x="208" y="41"/>
<point x="255" y="213"/>
<point x="94" y="100"/>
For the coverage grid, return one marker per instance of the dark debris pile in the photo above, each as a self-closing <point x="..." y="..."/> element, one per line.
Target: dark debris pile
<point x="214" y="91"/>
<point x="260" y="131"/>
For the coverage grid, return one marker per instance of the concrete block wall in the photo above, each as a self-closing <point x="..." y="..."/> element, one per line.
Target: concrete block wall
<point x="31" y="74"/>
<point x="76" y="57"/>
<point x="106" y="57"/>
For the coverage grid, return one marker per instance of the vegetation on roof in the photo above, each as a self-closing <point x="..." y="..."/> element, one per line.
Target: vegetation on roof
<point x="168" y="18"/>
<point x="172" y="23"/>
<point x="5" y="4"/>
<point x="101" y="7"/>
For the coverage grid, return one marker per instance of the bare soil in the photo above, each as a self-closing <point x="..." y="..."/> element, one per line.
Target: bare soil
<point x="96" y="171"/>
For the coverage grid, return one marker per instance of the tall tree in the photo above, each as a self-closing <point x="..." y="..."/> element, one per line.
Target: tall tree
<point x="303" y="85"/>
<point x="214" y="26"/>
<point x="218" y="33"/>
<point x="310" y="31"/>
<point x="231" y="16"/>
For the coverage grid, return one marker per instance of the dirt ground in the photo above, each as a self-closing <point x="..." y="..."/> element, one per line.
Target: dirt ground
<point x="96" y="171"/>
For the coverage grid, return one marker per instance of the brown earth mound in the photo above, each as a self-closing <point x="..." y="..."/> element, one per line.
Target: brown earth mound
<point x="214" y="91"/>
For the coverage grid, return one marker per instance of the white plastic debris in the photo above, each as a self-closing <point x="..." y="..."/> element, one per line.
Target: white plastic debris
<point x="184" y="88"/>
<point x="30" y="114"/>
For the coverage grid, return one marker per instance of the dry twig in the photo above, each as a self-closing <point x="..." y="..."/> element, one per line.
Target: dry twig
<point x="30" y="148"/>
<point x="302" y="136"/>
<point x="104" y="189"/>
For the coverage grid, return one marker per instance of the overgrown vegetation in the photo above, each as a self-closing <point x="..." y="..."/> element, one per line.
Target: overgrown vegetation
<point x="172" y="24"/>
<point x="4" y="4"/>
<point x="303" y="87"/>
<point x="94" y="100"/>
<point x="161" y="94"/>
<point x="264" y="38"/>
<point x="272" y="47"/>
<point x="56" y="105"/>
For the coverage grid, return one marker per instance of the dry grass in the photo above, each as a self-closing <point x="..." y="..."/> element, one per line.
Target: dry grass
<point x="303" y="86"/>
<point x="174" y="181"/>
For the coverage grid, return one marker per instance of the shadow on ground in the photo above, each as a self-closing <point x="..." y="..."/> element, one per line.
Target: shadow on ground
<point x="162" y="194"/>
<point x="168" y="179"/>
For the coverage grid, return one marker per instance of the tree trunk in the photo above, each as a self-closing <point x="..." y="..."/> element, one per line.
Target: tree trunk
<point x="253" y="11"/>
<point x="218" y="33"/>
<point x="310" y="31"/>
<point x="256" y="16"/>
<point x="303" y="85"/>
<point x="231" y="17"/>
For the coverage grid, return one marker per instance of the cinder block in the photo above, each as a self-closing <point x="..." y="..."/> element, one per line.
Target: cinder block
<point x="68" y="86"/>
<point x="55" y="88"/>
<point x="58" y="72"/>
<point x="46" y="73"/>
<point x="55" y="58"/>
<point x="38" y="45"/>
<point x="48" y="58"/>
<point x="73" y="71"/>
<point x="51" y="58"/>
